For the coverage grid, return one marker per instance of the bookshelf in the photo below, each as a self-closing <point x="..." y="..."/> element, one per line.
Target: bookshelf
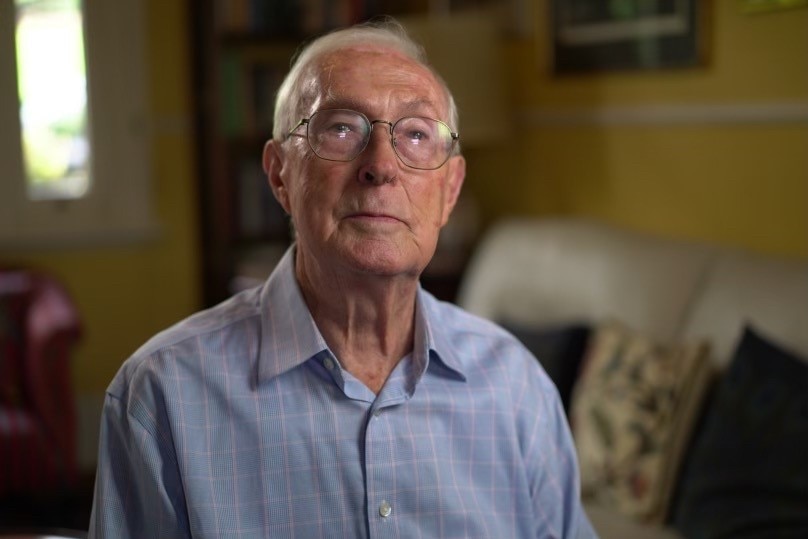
<point x="242" y="50"/>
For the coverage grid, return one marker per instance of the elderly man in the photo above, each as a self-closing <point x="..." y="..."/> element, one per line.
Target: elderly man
<point x="339" y="399"/>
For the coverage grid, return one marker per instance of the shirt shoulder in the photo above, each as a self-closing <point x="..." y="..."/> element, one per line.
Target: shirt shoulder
<point x="237" y="319"/>
<point x="473" y="343"/>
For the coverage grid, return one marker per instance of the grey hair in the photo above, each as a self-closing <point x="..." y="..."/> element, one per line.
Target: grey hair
<point x="387" y="33"/>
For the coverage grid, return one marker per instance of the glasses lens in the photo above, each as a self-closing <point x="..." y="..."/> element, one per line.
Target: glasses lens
<point x="342" y="134"/>
<point x="422" y="142"/>
<point x="338" y="135"/>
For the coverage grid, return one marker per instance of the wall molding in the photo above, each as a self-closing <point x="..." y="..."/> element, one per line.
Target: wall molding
<point x="795" y="112"/>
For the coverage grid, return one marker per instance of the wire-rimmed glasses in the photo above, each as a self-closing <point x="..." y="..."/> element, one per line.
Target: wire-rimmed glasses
<point x="343" y="134"/>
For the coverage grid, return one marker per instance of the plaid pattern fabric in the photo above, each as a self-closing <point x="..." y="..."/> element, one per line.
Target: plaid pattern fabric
<point x="239" y="422"/>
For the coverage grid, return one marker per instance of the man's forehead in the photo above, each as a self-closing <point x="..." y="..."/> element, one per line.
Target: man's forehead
<point x="382" y="60"/>
<point x="340" y="69"/>
<point x="353" y="51"/>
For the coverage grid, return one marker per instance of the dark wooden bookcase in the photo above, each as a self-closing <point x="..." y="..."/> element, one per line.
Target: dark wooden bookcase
<point x="241" y="51"/>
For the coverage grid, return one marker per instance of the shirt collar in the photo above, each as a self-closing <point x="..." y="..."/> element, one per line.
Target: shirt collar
<point x="289" y="336"/>
<point x="431" y="330"/>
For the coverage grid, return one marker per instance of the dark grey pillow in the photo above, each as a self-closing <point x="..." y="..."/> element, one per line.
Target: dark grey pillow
<point x="558" y="349"/>
<point x="746" y="475"/>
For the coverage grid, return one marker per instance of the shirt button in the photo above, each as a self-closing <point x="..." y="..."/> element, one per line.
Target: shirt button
<point x="385" y="509"/>
<point x="328" y="363"/>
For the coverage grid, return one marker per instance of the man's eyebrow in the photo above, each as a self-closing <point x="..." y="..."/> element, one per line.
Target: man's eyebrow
<point x="420" y="104"/>
<point x="414" y="106"/>
<point x="334" y="102"/>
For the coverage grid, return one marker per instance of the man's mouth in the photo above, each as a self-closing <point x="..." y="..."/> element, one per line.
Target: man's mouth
<point x="374" y="217"/>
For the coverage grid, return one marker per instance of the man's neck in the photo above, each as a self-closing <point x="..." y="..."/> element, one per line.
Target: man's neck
<point x="367" y="321"/>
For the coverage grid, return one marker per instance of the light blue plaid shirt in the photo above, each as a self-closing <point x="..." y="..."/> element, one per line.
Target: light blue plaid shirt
<point x="239" y="422"/>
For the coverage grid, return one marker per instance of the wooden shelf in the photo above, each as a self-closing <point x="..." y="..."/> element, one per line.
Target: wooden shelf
<point x="242" y="51"/>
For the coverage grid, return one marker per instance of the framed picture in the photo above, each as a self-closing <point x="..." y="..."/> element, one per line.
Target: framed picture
<point x="596" y="36"/>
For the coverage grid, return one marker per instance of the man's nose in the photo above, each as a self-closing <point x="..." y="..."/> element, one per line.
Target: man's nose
<point x="380" y="162"/>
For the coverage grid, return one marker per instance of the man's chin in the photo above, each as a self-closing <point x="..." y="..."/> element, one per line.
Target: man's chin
<point x="383" y="259"/>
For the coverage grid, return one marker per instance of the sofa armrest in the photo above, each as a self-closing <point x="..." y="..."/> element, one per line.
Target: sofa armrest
<point x="610" y="524"/>
<point x="542" y="271"/>
<point x="52" y="331"/>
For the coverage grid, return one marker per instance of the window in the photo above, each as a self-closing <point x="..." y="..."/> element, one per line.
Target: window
<point x="52" y="90"/>
<point x="74" y="155"/>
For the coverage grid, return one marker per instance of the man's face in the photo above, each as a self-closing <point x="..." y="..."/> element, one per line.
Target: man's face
<point x="372" y="215"/>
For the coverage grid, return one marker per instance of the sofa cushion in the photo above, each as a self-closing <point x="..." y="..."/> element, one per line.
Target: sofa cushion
<point x="747" y="473"/>
<point x="633" y="410"/>
<point x="559" y="349"/>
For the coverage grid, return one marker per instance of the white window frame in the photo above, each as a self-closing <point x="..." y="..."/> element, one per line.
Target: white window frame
<point x="118" y="208"/>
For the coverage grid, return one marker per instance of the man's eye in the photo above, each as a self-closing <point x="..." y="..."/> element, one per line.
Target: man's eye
<point x="341" y="128"/>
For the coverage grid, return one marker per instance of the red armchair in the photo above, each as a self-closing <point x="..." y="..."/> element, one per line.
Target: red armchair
<point x="39" y="326"/>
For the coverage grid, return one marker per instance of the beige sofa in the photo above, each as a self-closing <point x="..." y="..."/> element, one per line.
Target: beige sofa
<point x="550" y="272"/>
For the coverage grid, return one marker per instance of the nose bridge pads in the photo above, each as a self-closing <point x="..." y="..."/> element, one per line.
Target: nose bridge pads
<point x="377" y="177"/>
<point x="389" y="124"/>
<point x="389" y="133"/>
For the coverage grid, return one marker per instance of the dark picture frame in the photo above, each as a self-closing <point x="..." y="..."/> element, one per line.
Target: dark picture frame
<point x="596" y="36"/>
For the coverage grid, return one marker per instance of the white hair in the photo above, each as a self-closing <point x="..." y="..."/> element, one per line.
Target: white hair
<point x="385" y="33"/>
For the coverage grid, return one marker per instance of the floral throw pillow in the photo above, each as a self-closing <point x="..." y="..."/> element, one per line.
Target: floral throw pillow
<point x="632" y="412"/>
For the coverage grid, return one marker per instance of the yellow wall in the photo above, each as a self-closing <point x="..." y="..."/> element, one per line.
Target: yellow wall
<point x="127" y="293"/>
<point x="741" y="184"/>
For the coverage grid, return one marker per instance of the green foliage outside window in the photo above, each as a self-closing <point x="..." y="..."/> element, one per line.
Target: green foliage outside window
<point x="51" y="75"/>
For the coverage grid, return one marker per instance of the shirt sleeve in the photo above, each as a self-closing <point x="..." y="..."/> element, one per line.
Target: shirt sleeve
<point x="555" y="483"/>
<point x="138" y="492"/>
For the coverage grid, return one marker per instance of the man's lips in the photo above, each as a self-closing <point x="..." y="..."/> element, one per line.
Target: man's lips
<point x="374" y="217"/>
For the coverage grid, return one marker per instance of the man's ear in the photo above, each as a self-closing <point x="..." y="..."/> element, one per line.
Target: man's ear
<point x="272" y="161"/>
<point x="455" y="175"/>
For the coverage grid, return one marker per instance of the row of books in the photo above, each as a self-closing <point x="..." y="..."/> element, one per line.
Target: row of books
<point x="248" y="91"/>
<point x="290" y="18"/>
<point x="259" y="215"/>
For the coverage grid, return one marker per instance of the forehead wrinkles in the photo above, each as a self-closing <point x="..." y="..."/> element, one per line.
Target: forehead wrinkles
<point x="327" y="77"/>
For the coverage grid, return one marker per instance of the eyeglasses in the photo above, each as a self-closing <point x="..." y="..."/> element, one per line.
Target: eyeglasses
<point x="342" y="134"/>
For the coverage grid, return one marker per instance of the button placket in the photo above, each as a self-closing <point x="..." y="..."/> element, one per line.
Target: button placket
<point x="381" y="457"/>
